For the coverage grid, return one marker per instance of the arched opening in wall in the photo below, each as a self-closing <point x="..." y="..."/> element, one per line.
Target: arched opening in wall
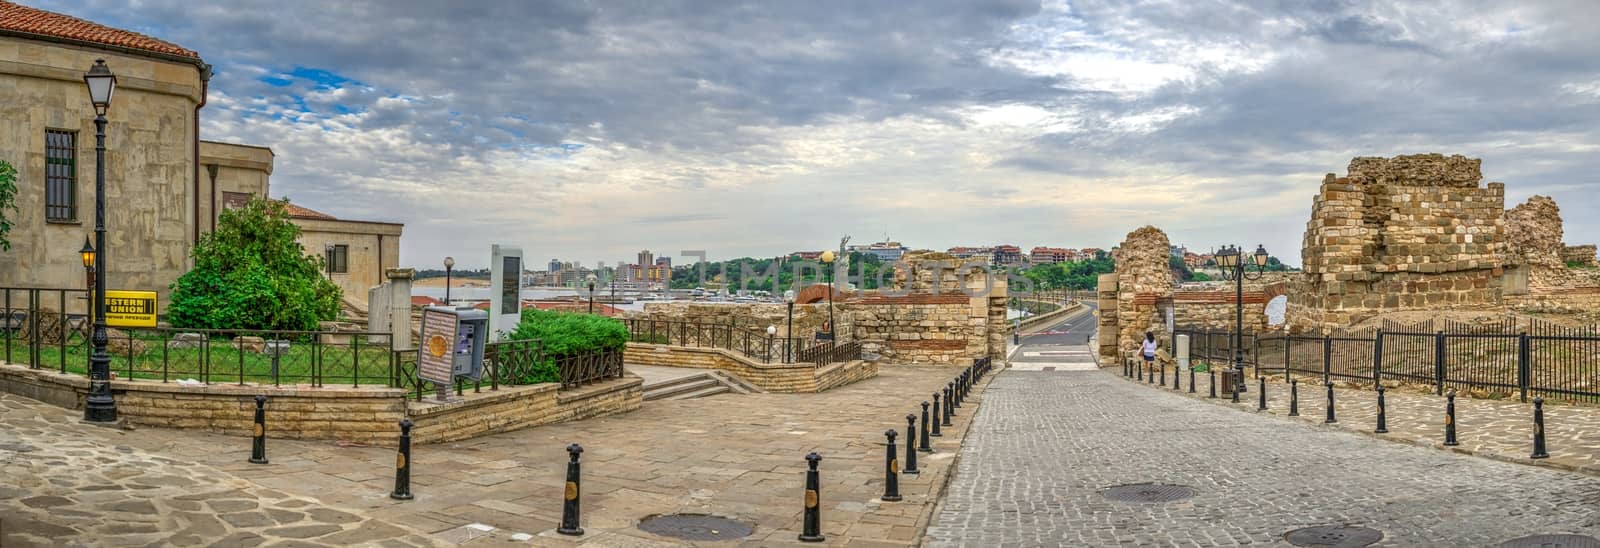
<point x="1277" y="310"/>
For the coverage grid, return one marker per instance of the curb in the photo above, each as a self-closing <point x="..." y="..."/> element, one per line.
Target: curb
<point x="923" y="522"/>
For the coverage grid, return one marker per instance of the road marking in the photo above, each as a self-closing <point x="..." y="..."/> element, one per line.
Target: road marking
<point x="1053" y="366"/>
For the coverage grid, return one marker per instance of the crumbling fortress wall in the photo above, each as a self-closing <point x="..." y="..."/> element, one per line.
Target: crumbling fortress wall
<point x="1403" y="233"/>
<point x="1580" y="255"/>
<point x="1143" y="282"/>
<point x="1533" y="249"/>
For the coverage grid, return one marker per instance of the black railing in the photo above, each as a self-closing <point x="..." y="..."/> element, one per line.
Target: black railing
<point x="827" y="352"/>
<point x="752" y="342"/>
<point x="1509" y="358"/>
<point x="516" y="363"/>
<point x="35" y="332"/>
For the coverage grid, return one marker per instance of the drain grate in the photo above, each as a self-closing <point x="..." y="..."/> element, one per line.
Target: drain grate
<point x="1552" y="541"/>
<point x="695" y="527"/>
<point x="1148" y="492"/>
<point x="1334" y="536"/>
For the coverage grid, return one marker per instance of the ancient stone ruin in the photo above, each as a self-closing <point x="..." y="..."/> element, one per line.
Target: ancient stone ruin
<point x="1403" y="233"/>
<point x="1143" y="281"/>
<point x="1533" y="246"/>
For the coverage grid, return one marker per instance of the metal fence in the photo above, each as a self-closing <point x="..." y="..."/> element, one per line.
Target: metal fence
<point x="1511" y="357"/>
<point x="752" y="343"/>
<point x="515" y="363"/>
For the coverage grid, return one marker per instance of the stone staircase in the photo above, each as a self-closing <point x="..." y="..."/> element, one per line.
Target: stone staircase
<point x="698" y="385"/>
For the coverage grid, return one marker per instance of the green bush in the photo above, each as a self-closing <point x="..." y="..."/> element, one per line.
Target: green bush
<point x="571" y="333"/>
<point x="251" y="273"/>
<point x="8" y="201"/>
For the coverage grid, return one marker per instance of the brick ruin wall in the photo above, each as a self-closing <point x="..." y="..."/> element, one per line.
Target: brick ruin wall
<point x="1143" y="281"/>
<point x="1403" y="233"/>
<point x="1581" y="255"/>
<point x="1216" y="310"/>
<point x="1533" y="244"/>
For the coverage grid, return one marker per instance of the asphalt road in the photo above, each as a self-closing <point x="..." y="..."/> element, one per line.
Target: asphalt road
<point x="1071" y="331"/>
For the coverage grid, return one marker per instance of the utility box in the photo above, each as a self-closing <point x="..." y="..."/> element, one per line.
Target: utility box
<point x="452" y="344"/>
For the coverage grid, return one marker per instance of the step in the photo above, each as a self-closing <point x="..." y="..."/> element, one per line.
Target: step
<point x="711" y="391"/>
<point x="680" y="386"/>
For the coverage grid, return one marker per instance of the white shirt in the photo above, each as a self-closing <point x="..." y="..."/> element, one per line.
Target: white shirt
<point x="1148" y="348"/>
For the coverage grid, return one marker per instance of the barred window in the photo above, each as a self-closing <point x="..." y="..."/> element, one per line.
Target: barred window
<point x="339" y="259"/>
<point x="60" y="175"/>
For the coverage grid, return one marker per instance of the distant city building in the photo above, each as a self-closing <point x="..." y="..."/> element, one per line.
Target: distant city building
<point x="646" y="258"/>
<point x="555" y="265"/>
<point x="664" y="261"/>
<point x="885" y="251"/>
<point x="970" y="252"/>
<point x="1007" y="255"/>
<point x="808" y="255"/>
<point x="1046" y="255"/>
<point x="1178" y="250"/>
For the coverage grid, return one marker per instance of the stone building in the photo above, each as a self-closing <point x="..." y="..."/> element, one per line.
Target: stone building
<point x="165" y="186"/>
<point x="1135" y="299"/>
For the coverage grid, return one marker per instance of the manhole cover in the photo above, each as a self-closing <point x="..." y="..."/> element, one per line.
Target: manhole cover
<point x="1338" y="536"/>
<point x="1148" y="492"/>
<point x="1552" y="541"/>
<point x="695" y="527"/>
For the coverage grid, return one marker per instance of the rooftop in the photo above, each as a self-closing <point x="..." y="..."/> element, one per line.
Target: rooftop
<point x="24" y="20"/>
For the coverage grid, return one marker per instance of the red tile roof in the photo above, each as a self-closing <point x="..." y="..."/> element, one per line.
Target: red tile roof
<point x="304" y="213"/>
<point x="23" y="19"/>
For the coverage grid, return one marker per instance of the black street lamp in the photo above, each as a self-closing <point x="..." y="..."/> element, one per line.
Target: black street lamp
<point x="591" y="293"/>
<point x="827" y="259"/>
<point x="788" y="354"/>
<point x="1233" y="264"/>
<point x="449" y="264"/>
<point x="99" y="406"/>
<point x="87" y="255"/>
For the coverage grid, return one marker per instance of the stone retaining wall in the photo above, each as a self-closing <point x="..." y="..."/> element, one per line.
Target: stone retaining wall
<point x="1582" y="255"/>
<point x="356" y="415"/>
<point x="517" y="407"/>
<point x="1216" y="310"/>
<point x="771" y="377"/>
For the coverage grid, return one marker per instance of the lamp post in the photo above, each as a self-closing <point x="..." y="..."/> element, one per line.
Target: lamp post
<point x="591" y="292"/>
<point x="1233" y="265"/>
<point x="449" y="264"/>
<point x="327" y="255"/>
<point x="612" y="281"/>
<point x="99" y="406"/>
<point x="87" y="255"/>
<point x="788" y="354"/>
<point x="771" y="330"/>
<point x="827" y="259"/>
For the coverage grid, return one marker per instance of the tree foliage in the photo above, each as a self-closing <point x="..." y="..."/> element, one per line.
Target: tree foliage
<point x="251" y="273"/>
<point x="1078" y="275"/>
<point x="565" y="334"/>
<point x="8" y="202"/>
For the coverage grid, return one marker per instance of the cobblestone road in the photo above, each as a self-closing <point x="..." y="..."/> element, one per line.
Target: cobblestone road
<point x="1046" y="444"/>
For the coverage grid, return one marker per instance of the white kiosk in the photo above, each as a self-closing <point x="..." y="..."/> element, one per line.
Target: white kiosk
<point x="505" y="290"/>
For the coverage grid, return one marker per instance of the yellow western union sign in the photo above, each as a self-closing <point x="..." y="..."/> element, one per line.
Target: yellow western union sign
<point x="130" y="308"/>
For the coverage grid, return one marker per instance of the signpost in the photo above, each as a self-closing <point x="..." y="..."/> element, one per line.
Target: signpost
<point x="131" y="308"/>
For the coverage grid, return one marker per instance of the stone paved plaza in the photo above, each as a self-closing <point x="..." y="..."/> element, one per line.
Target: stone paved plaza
<point x="1047" y="444"/>
<point x="63" y="483"/>
<point x="736" y="456"/>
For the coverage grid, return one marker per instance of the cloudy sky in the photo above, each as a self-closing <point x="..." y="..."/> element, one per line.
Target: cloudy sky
<point x="590" y="130"/>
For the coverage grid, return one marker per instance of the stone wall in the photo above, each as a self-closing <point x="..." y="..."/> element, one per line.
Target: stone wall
<point x="1582" y="255"/>
<point x="1144" y="280"/>
<point x="150" y="164"/>
<point x="1106" y="328"/>
<point x="771" y="377"/>
<point x="1218" y="309"/>
<point x="373" y="249"/>
<point x="1403" y="233"/>
<point x="355" y="415"/>
<point x="1575" y="300"/>
<point x="517" y="407"/>
<point x="1533" y="243"/>
<point x="229" y="170"/>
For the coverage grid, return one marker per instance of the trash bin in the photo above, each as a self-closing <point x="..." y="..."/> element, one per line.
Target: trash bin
<point x="1228" y="380"/>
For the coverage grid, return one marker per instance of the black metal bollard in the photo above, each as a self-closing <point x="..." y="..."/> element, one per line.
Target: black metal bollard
<point x="811" y="530"/>
<point x="1294" y="397"/>
<point x="955" y="397"/>
<point x="1138" y="368"/>
<point x="1235" y="391"/>
<point x="1262" y="406"/>
<point x="1383" y="414"/>
<point x="1163" y="367"/>
<point x="258" y="438"/>
<point x="1539" y="451"/>
<point x="1177" y="377"/>
<point x="1150" y="375"/>
<point x="402" y="467"/>
<point x="1330" y="418"/>
<point x="938" y="417"/>
<point x="1191" y="378"/>
<point x="911" y="444"/>
<point x="948" y="408"/>
<point x="891" y="471"/>
<point x="1213" y="373"/>
<point x="1450" y="419"/>
<point x="569" y="503"/>
<point x="926" y="447"/>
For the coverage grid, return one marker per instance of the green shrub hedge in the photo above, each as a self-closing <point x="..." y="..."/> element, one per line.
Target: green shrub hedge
<point x="570" y="333"/>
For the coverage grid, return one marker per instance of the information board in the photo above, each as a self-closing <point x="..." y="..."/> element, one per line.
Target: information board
<point x="131" y="308"/>
<point x="436" y="357"/>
